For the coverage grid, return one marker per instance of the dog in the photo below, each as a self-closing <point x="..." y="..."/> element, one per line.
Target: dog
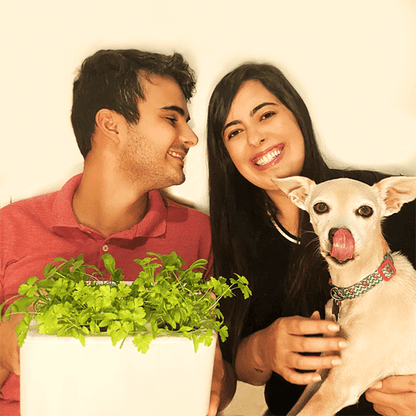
<point x="373" y="296"/>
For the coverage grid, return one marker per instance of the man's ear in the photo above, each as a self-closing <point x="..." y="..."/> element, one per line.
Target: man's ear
<point x="110" y="124"/>
<point x="297" y="188"/>
<point x="396" y="191"/>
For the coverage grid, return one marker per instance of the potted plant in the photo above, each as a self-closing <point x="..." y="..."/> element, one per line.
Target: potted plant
<point x="165" y="324"/>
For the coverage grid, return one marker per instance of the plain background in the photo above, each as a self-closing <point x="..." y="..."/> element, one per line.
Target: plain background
<point x="353" y="62"/>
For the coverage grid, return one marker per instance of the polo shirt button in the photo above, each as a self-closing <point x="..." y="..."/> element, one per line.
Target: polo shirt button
<point x="105" y="248"/>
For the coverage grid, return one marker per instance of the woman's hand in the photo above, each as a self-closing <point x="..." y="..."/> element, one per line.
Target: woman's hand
<point x="395" y="395"/>
<point x="278" y="348"/>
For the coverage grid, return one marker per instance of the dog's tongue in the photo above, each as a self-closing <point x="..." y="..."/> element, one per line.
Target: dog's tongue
<point x="343" y="245"/>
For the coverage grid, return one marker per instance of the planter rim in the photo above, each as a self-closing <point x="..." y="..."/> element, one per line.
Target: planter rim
<point x="35" y="337"/>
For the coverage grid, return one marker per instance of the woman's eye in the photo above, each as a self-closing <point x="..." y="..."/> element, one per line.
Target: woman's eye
<point x="321" y="208"/>
<point x="365" y="211"/>
<point x="268" y="115"/>
<point x="172" y="119"/>
<point x="233" y="134"/>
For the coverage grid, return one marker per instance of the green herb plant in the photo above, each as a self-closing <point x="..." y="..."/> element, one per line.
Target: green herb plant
<point x="74" y="300"/>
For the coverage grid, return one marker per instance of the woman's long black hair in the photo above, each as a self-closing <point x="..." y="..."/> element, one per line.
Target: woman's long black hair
<point x="236" y="205"/>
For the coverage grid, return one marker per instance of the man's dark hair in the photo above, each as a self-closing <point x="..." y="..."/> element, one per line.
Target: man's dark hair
<point x="112" y="79"/>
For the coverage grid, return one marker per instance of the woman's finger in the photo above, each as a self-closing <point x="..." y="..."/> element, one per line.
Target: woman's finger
<point x="317" y="344"/>
<point x="302" y="362"/>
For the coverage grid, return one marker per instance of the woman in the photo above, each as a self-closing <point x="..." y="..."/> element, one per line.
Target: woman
<point x="259" y="128"/>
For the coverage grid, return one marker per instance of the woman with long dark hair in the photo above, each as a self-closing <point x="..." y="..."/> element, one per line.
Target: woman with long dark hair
<point x="259" y="128"/>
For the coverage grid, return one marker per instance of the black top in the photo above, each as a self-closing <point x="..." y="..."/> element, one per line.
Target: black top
<point x="270" y="267"/>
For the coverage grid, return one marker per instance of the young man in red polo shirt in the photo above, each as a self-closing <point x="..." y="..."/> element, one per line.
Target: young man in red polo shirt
<point x="130" y="118"/>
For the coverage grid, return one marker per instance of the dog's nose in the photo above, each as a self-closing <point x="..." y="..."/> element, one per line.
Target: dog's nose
<point x="331" y="234"/>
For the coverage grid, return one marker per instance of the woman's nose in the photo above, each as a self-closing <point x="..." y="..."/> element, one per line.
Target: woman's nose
<point x="255" y="137"/>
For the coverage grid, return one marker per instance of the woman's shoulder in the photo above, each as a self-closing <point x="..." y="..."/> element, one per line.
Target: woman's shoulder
<point x="369" y="177"/>
<point x="400" y="231"/>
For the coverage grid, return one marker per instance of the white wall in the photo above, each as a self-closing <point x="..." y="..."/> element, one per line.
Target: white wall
<point x="353" y="61"/>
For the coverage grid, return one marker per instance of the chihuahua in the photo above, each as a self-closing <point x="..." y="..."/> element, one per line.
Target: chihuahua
<point x="373" y="291"/>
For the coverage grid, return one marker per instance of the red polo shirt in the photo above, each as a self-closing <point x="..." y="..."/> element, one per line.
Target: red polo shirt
<point x="35" y="231"/>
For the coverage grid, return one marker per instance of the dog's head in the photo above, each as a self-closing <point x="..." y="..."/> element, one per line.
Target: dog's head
<point x="346" y="213"/>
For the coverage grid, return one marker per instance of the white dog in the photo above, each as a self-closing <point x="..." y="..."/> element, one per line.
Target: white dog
<point x="373" y="293"/>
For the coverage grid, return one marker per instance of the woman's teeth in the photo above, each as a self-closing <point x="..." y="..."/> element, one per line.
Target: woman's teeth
<point x="268" y="158"/>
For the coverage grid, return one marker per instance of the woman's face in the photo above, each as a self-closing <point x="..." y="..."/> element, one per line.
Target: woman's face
<point x="263" y="137"/>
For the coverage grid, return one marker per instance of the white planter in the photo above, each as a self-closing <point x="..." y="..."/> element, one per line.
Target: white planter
<point x="60" y="377"/>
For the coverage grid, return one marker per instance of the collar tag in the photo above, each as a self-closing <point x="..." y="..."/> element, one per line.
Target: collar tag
<point x="336" y="306"/>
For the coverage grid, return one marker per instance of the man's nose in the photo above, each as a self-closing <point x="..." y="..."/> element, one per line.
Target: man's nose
<point x="188" y="137"/>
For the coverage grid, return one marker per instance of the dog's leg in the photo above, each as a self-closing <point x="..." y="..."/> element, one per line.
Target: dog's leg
<point x="341" y="388"/>
<point x="307" y="394"/>
<point x="329" y="399"/>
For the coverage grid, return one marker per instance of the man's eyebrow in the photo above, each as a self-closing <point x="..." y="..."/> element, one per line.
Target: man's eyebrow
<point x="177" y="109"/>
<point x="252" y="112"/>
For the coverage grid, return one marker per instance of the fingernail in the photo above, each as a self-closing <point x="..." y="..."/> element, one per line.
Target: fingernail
<point x="343" y="344"/>
<point x="316" y="378"/>
<point x="333" y="327"/>
<point x="336" y="362"/>
<point x="377" y="385"/>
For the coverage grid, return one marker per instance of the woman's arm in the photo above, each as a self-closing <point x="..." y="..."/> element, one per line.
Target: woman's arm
<point x="277" y="348"/>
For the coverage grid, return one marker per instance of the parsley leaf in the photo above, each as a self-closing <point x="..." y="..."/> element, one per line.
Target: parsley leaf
<point x="73" y="299"/>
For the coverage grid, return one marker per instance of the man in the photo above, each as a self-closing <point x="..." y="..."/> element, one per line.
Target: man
<point x="130" y="118"/>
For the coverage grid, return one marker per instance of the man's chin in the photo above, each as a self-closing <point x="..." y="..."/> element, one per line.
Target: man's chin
<point x="179" y="182"/>
<point x="175" y="181"/>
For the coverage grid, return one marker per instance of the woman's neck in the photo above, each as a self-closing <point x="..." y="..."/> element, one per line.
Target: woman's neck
<point x="287" y="212"/>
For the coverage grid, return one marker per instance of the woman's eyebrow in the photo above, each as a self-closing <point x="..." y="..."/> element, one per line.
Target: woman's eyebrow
<point x="258" y="107"/>
<point x="231" y="123"/>
<point x="252" y="112"/>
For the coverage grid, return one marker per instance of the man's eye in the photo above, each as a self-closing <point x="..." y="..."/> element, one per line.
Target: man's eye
<point x="321" y="208"/>
<point x="172" y="119"/>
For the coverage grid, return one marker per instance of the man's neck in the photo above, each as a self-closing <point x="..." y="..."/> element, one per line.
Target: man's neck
<point x="107" y="205"/>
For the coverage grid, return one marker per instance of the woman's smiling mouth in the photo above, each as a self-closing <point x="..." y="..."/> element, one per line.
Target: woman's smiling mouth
<point x="269" y="157"/>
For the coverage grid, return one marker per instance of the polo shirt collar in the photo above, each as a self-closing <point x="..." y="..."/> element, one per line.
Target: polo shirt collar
<point x="152" y="225"/>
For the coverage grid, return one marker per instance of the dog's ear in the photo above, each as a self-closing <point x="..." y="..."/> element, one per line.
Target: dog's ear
<point x="396" y="191"/>
<point x="297" y="188"/>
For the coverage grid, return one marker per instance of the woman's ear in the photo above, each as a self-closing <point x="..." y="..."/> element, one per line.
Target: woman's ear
<point x="110" y="124"/>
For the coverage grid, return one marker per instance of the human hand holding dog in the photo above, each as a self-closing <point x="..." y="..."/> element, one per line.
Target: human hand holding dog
<point x="278" y="348"/>
<point x="395" y="395"/>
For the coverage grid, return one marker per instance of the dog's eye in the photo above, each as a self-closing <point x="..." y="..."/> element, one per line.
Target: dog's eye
<point x="365" y="211"/>
<point x="321" y="208"/>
